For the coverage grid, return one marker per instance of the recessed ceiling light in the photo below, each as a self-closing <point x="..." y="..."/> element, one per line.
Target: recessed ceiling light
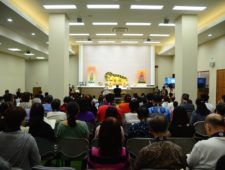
<point x="47" y="42"/>
<point x="84" y="41"/>
<point x="80" y="34"/>
<point x="106" y="41"/>
<point x="0" y="43"/>
<point x="166" y="24"/>
<point x="14" y="49"/>
<point x="209" y="35"/>
<point x="151" y="42"/>
<point x="76" y="23"/>
<point x="60" y="6"/>
<point x="40" y="58"/>
<point x="10" y="20"/>
<point x="105" y="34"/>
<point x="147" y="7"/>
<point x="138" y="23"/>
<point x="159" y="35"/>
<point x="101" y="6"/>
<point x="129" y="42"/>
<point x="28" y="54"/>
<point x="104" y="23"/>
<point x="33" y="33"/>
<point x="136" y="35"/>
<point x="189" y="8"/>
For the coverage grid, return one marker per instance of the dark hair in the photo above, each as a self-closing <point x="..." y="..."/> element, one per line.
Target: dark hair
<point x="72" y="110"/>
<point x="149" y="96"/>
<point x="8" y="97"/>
<point x="185" y="96"/>
<point x="111" y="112"/>
<point x="142" y="112"/>
<point x="127" y="98"/>
<point x="201" y="107"/>
<point x="36" y="114"/>
<point x="215" y="121"/>
<point x="48" y="99"/>
<point x="220" y="163"/>
<point x="220" y="109"/>
<point x="109" y="98"/>
<point x="83" y="104"/>
<point x="56" y="104"/>
<point x="133" y="105"/>
<point x="12" y="119"/>
<point x="158" y="123"/>
<point x="166" y="99"/>
<point x="67" y="99"/>
<point x="180" y="117"/>
<point x="110" y="138"/>
<point x="100" y="98"/>
<point x="25" y="97"/>
<point x="205" y="97"/>
<point x="175" y="104"/>
<point x="157" y="98"/>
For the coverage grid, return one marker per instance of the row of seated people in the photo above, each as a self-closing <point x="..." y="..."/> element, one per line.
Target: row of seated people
<point x="20" y="148"/>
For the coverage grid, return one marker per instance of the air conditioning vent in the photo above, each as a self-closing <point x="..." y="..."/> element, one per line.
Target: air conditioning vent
<point x="120" y="29"/>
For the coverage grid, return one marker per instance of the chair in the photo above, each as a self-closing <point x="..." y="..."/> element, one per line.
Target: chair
<point x="94" y="143"/>
<point x="73" y="149"/>
<point x="200" y="129"/>
<point x="126" y="127"/>
<point x="220" y="163"/>
<point x="51" y="168"/>
<point x="185" y="143"/>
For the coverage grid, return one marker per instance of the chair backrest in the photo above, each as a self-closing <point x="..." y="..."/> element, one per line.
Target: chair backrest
<point x="220" y="163"/>
<point x="51" y="168"/>
<point x="45" y="146"/>
<point x="126" y="127"/>
<point x="200" y="128"/>
<point x="94" y="143"/>
<point x="134" y="145"/>
<point x="73" y="148"/>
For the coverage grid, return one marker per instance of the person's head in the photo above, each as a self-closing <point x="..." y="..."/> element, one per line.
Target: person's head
<point x="48" y="99"/>
<point x="36" y="114"/>
<point x="158" y="125"/>
<point x="223" y="99"/>
<point x="111" y="112"/>
<point x="185" y="98"/>
<point x="6" y="91"/>
<point x="100" y="98"/>
<point x="110" y="138"/>
<point x="220" y="109"/>
<point x="205" y="97"/>
<point x="180" y="117"/>
<point x="4" y="106"/>
<point x="157" y="99"/>
<point x="25" y="97"/>
<point x="4" y="165"/>
<point x="142" y="112"/>
<point x="201" y="107"/>
<point x="56" y="104"/>
<point x="149" y="97"/>
<point x="133" y="105"/>
<point x="8" y="97"/>
<point x="117" y="86"/>
<point x="214" y="123"/>
<point x="127" y="98"/>
<point x="67" y="99"/>
<point x="13" y="118"/>
<point x="175" y="104"/>
<point x="72" y="111"/>
<point x="166" y="99"/>
<point x="83" y="104"/>
<point x="46" y="94"/>
<point x="109" y="98"/>
<point x="36" y="100"/>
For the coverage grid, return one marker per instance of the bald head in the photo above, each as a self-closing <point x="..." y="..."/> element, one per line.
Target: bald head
<point x="214" y="123"/>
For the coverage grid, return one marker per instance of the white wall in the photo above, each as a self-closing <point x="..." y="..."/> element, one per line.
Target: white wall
<point x="212" y="51"/>
<point x="12" y="73"/>
<point x="123" y="60"/>
<point x="73" y="70"/>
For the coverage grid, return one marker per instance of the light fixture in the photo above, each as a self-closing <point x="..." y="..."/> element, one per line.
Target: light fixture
<point x="105" y="23"/>
<point x="129" y="42"/>
<point x="60" y="6"/>
<point x="135" y="35"/>
<point x="106" y="42"/>
<point x="166" y="24"/>
<point x="105" y="34"/>
<point x="151" y="42"/>
<point x="84" y="41"/>
<point x="159" y="35"/>
<point x="14" y="49"/>
<point x="80" y="34"/>
<point x="0" y="43"/>
<point x="189" y="8"/>
<point x="166" y="20"/>
<point x="102" y="6"/>
<point x="10" y="20"/>
<point x="138" y="23"/>
<point x="76" y="23"/>
<point x="147" y="7"/>
<point x="33" y="34"/>
<point x="40" y="58"/>
<point x="29" y="54"/>
<point x="209" y="35"/>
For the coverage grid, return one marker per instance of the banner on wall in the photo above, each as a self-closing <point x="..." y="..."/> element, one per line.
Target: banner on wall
<point x="91" y="74"/>
<point x="141" y="76"/>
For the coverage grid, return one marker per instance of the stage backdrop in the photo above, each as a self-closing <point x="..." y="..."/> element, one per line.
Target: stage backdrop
<point x="123" y="60"/>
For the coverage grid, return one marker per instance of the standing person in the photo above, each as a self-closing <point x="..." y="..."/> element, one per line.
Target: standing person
<point x="117" y="91"/>
<point x="188" y="106"/>
<point x="206" y="153"/>
<point x="164" y="91"/>
<point x="17" y="147"/>
<point x="110" y="154"/>
<point x="161" y="154"/>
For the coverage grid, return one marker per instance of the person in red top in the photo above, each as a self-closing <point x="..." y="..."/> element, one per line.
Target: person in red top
<point x="109" y="102"/>
<point x="124" y="106"/>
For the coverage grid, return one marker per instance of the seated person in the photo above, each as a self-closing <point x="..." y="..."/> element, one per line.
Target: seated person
<point x="117" y="91"/>
<point x="140" y="129"/>
<point x="124" y="106"/>
<point x="17" y="147"/>
<point x="110" y="154"/>
<point x="132" y="116"/>
<point x="206" y="153"/>
<point x="161" y="154"/>
<point x="72" y="128"/>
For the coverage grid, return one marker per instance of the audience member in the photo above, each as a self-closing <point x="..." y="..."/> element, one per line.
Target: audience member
<point x="110" y="154"/>
<point x="3" y="107"/>
<point x="180" y="124"/>
<point x="161" y="154"/>
<point x="206" y="153"/>
<point x="223" y="99"/>
<point x="25" y="100"/>
<point x="140" y="129"/>
<point x="66" y="100"/>
<point x="209" y="106"/>
<point x="188" y="106"/>
<point x="72" y="127"/>
<point x="220" y="163"/>
<point x="55" y="113"/>
<point x="132" y="116"/>
<point x="149" y="100"/>
<point x="124" y="106"/>
<point x="166" y="101"/>
<point x="47" y="103"/>
<point x="164" y="91"/>
<point x="37" y="126"/>
<point x="18" y="148"/>
<point x="220" y="109"/>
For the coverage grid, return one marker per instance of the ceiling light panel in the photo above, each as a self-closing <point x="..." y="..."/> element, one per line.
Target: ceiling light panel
<point x="105" y="34"/>
<point x="40" y="58"/>
<point x="103" y="6"/>
<point x="151" y="42"/>
<point x="135" y="35"/>
<point x="60" y="6"/>
<point x="159" y="35"/>
<point x="105" y="23"/>
<point x="80" y="34"/>
<point x="189" y="8"/>
<point x="138" y="23"/>
<point x="14" y="49"/>
<point x="9" y="19"/>
<point x="76" y="24"/>
<point x="106" y="42"/>
<point x="29" y="54"/>
<point x="84" y="41"/>
<point x="147" y="7"/>
<point x="167" y="25"/>
<point x="129" y="42"/>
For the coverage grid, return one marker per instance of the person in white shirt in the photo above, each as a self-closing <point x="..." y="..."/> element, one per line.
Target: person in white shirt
<point x="56" y="114"/>
<point x="206" y="153"/>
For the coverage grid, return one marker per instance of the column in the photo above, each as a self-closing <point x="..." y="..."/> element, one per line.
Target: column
<point x="81" y="64"/>
<point x="58" y="56"/>
<point x="152" y="67"/>
<point x="186" y="46"/>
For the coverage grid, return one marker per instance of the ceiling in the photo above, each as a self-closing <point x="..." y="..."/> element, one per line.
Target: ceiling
<point x="23" y="27"/>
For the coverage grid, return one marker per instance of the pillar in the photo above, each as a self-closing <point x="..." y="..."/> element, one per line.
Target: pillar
<point x="81" y="64"/>
<point x="186" y="46"/>
<point x="58" y="56"/>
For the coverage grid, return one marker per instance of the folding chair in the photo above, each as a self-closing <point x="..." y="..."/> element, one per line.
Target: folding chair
<point x="200" y="129"/>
